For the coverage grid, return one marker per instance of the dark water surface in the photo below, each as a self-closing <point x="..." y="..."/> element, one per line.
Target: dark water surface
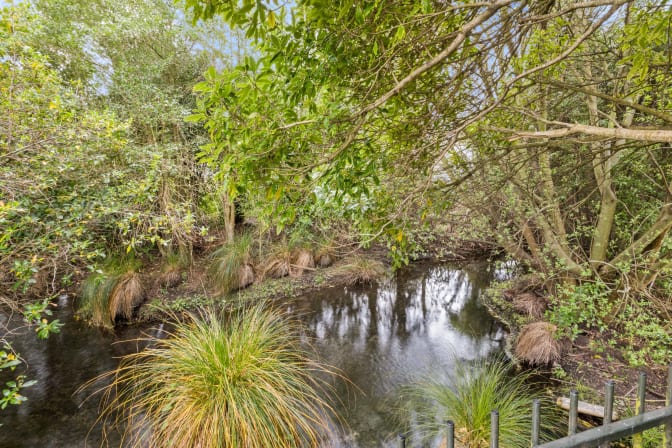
<point x="421" y="322"/>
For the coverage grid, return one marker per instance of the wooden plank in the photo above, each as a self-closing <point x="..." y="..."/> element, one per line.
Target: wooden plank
<point x="586" y="408"/>
<point x="614" y="431"/>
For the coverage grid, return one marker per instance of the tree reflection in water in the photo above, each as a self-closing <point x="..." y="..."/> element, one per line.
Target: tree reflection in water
<point x="381" y="336"/>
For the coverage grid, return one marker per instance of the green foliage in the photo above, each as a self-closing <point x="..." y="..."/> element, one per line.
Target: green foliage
<point x="221" y="380"/>
<point x="24" y="272"/>
<point x="652" y="438"/>
<point x="11" y="393"/>
<point x="283" y="124"/>
<point x="468" y="400"/>
<point x="638" y="324"/>
<point x="644" y="333"/>
<point x="575" y="308"/>
<point x="256" y="17"/>
<point x="34" y="317"/>
<point x="48" y="138"/>
<point x="92" y="115"/>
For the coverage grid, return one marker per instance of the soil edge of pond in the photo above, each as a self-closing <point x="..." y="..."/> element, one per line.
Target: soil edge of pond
<point x="584" y="365"/>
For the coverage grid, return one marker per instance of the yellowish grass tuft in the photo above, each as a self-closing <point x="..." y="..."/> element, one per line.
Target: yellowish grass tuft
<point x="277" y="263"/>
<point x="529" y="304"/>
<point x="230" y="268"/>
<point x="277" y="268"/>
<point x="170" y="278"/>
<point x="94" y="299"/>
<point x="361" y="270"/>
<point x="325" y="253"/>
<point x="538" y="344"/>
<point x="245" y="276"/>
<point x="468" y="400"/>
<point x="126" y="295"/>
<point x="111" y="292"/>
<point x="302" y="260"/>
<point x="240" y="380"/>
<point x="324" y="259"/>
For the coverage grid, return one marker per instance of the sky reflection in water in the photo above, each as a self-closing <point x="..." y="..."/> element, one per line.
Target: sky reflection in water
<point x="380" y="337"/>
<point x="417" y="324"/>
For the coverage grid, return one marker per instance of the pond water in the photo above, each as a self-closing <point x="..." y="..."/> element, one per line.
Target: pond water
<point x="421" y="322"/>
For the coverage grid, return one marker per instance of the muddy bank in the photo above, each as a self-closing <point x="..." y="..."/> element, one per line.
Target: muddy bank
<point x="586" y="363"/>
<point x="191" y="288"/>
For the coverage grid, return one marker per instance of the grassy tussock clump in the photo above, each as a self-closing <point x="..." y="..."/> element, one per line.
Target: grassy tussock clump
<point x="468" y="400"/>
<point x="169" y="278"/>
<point x="94" y="299"/>
<point x="126" y="294"/>
<point x="324" y="259"/>
<point x="277" y="263"/>
<point x="361" y="270"/>
<point x="538" y="344"/>
<point x="529" y="304"/>
<point x="324" y="254"/>
<point x="230" y="267"/>
<point x="302" y="260"/>
<point x="110" y="294"/>
<point x="171" y="270"/>
<point x="242" y="380"/>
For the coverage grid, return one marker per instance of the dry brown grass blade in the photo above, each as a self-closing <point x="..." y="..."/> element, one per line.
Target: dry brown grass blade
<point x="538" y="344"/>
<point x="245" y="276"/>
<point x="276" y="268"/>
<point x="126" y="295"/>
<point x="302" y="260"/>
<point x="530" y="304"/>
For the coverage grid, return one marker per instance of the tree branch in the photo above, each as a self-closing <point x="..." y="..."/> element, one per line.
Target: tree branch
<point x="623" y="102"/>
<point x="436" y="60"/>
<point x="658" y="228"/>
<point x="574" y="7"/>
<point x="642" y="135"/>
<point x="297" y="123"/>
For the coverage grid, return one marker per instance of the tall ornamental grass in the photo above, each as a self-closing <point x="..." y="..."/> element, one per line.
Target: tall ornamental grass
<point x="230" y="266"/>
<point x="468" y="400"/>
<point x="111" y="292"/>
<point x="240" y="380"/>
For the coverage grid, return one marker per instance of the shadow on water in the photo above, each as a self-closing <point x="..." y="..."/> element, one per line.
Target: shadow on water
<point x="423" y="320"/>
<point x="54" y="415"/>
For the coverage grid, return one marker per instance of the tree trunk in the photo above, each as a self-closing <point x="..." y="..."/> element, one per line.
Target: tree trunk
<point x="659" y="228"/>
<point x="229" y="218"/>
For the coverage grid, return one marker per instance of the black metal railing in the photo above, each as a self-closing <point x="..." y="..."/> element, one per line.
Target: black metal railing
<point x="600" y="436"/>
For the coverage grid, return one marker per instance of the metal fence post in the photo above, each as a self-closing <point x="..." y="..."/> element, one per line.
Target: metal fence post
<point x="536" y="416"/>
<point x="573" y="411"/>
<point x="608" y="407"/>
<point x="450" y="434"/>
<point x="667" y="433"/>
<point x="640" y="407"/>
<point x="494" y="429"/>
